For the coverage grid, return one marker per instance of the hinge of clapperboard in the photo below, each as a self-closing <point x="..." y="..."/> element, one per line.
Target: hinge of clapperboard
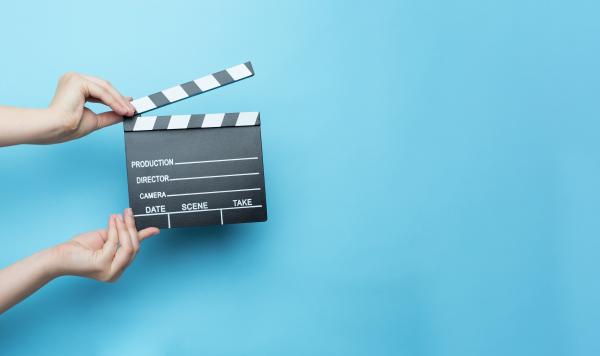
<point x="186" y="90"/>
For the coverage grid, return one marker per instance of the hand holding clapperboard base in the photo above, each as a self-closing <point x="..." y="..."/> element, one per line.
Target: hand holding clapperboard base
<point x="192" y="170"/>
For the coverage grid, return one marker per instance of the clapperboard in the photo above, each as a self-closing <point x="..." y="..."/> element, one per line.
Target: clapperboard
<point x="192" y="170"/>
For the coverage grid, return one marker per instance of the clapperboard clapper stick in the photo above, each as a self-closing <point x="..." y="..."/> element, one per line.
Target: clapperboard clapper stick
<point x="192" y="170"/>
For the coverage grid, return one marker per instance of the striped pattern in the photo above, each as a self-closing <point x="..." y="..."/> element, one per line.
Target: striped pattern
<point x="201" y="121"/>
<point x="194" y="87"/>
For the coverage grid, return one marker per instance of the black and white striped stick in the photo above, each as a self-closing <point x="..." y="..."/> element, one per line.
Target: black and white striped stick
<point x="179" y="122"/>
<point x="194" y="87"/>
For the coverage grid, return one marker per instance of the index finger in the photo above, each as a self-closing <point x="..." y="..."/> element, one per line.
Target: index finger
<point x="97" y="91"/>
<point x="125" y="253"/>
<point x="114" y="92"/>
<point x="110" y="246"/>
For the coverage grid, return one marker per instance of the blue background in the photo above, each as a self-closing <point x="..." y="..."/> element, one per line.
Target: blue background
<point x="432" y="177"/>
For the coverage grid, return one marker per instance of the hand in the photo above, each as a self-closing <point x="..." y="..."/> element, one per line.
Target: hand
<point x="104" y="254"/>
<point x="66" y="118"/>
<point x="68" y="106"/>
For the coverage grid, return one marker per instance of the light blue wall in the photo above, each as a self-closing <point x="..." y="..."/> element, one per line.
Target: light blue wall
<point x="433" y="172"/>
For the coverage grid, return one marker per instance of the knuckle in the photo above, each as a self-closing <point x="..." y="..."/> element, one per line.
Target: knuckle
<point x="103" y="91"/>
<point x="69" y="76"/>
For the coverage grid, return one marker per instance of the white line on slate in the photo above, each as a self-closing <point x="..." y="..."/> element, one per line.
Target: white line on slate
<point x="221" y="176"/>
<point x="217" y="160"/>
<point x="213" y="192"/>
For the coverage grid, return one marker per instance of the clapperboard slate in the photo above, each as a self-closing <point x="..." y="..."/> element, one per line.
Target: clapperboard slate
<point x="191" y="170"/>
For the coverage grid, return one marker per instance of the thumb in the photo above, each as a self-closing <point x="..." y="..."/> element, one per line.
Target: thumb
<point x="108" y="118"/>
<point x="148" y="232"/>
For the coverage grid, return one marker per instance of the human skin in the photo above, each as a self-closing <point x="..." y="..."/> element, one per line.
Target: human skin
<point x="66" y="118"/>
<point x="102" y="254"/>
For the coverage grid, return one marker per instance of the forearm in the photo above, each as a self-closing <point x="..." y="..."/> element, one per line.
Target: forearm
<point x="18" y="126"/>
<point x="21" y="279"/>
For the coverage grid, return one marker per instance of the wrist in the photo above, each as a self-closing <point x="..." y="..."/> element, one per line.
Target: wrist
<point x="41" y="126"/>
<point x="49" y="263"/>
<point x="57" y="122"/>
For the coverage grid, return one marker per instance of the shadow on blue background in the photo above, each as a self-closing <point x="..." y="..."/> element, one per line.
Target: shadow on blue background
<point x="432" y="178"/>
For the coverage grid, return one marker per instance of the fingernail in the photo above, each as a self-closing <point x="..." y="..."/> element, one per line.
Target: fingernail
<point x="120" y="217"/>
<point x="129" y="212"/>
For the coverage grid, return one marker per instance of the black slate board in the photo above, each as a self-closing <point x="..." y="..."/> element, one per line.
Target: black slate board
<point x="195" y="176"/>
